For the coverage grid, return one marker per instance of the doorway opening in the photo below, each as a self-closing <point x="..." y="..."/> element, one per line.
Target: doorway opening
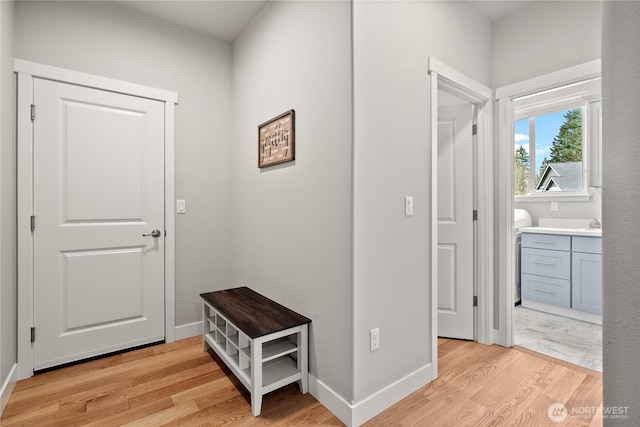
<point x="554" y="201"/>
<point x="444" y="79"/>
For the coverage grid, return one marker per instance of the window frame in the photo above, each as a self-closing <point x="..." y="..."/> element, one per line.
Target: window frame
<point x="577" y="95"/>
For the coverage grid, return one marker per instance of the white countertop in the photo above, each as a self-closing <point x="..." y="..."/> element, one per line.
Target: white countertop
<point x="586" y="231"/>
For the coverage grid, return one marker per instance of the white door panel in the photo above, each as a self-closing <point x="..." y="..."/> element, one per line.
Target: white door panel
<point x="455" y="222"/>
<point x="98" y="187"/>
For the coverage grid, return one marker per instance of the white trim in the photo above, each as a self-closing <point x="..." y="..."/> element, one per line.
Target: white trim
<point x="433" y="133"/>
<point x="542" y="198"/>
<point x="169" y="223"/>
<point x="358" y="413"/>
<point x="189" y="330"/>
<point x="563" y="311"/>
<point x="83" y="79"/>
<point x="26" y="72"/>
<point x="7" y="387"/>
<point x="449" y="79"/>
<point x="485" y="253"/>
<point x="24" y="154"/>
<point x="469" y="87"/>
<point x="506" y="257"/>
<point x="331" y="400"/>
<point x="569" y="75"/>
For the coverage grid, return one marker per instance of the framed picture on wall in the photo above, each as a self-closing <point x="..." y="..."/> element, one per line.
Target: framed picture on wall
<point x="276" y="140"/>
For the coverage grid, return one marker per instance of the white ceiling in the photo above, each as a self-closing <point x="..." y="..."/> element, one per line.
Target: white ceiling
<point x="497" y="9"/>
<point x="225" y="19"/>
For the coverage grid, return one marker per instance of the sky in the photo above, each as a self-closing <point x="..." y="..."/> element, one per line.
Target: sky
<point x="547" y="127"/>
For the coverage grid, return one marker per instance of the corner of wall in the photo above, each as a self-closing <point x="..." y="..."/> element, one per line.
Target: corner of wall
<point x="7" y="387"/>
<point x="356" y="414"/>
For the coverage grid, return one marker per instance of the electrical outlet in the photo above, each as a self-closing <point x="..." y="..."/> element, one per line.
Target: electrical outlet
<point x="374" y="334"/>
<point x="408" y="206"/>
<point x="554" y="206"/>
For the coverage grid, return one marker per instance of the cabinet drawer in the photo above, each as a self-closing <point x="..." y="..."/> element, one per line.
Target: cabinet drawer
<point x="547" y="290"/>
<point x="555" y="242"/>
<point x="589" y="245"/>
<point x="546" y="263"/>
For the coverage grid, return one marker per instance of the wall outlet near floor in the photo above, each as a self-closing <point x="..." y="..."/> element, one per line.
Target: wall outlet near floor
<point x="374" y="334"/>
<point x="554" y="206"/>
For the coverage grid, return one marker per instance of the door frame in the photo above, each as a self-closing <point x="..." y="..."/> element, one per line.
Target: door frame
<point x="505" y="97"/>
<point x="444" y="77"/>
<point x="26" y="71"/>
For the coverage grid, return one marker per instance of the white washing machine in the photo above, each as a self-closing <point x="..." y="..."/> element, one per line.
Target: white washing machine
<point x="521" y="219"/>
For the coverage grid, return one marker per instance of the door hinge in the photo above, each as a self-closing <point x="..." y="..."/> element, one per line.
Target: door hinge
<point x="33" y="223"/>
<point x="33" y="112"/>
<point x="475" y="300"/>
<point x="33" y="334"/>
<point x="475" y="214"/>
<point x="474" y="129"/>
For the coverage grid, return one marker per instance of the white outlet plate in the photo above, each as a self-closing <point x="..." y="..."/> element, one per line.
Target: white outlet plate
<point x="374" y="335"/>
<point x="408" y="206"/>
<point x="554" y="206"/>
<point x="181" y="207"/>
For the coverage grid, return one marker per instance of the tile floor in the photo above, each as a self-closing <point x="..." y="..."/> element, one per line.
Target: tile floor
<point x="571" y="340"/>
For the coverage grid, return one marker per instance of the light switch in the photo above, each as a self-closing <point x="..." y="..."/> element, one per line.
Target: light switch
<point x="408" y="206"/>
<point x="181" y="207"/>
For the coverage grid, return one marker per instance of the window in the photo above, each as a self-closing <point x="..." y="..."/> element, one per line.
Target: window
<point x="553" y="143"/>
<point x="548" y="152"/>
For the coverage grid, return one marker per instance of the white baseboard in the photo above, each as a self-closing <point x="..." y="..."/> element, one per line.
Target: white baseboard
<point x="356" y="414"/>
<point x="562" y="311"/>
<point x="331" y="400"/>
<point x="188" y="331"/>
<point x="7" y="387"/>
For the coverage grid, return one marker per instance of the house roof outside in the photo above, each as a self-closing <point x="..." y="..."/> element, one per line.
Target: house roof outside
<point x="565" y="176"/>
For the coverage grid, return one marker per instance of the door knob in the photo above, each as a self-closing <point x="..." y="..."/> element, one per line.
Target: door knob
<point x="154" y="233"/>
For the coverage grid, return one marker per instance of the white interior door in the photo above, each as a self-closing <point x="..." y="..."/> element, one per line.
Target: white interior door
<point x="98" y="162"/>
<point x="455" y="222"/>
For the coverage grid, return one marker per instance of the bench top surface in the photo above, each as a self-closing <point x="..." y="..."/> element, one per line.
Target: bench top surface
<point x="253" y="313"/>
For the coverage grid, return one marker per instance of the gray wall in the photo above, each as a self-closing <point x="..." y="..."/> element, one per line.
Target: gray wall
<point x="111" y="40"/>
<point x="8" y="286"/>
<point x="621" y="211"/>
<point x="540" y="38"/>
<point x="291" y="223"/>
<point x="579" y="210"/>
<point x="543" y="37"/>
<point x="392" y="278"/>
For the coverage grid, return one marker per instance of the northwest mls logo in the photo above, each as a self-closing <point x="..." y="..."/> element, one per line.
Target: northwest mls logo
<point x="557" y="412"/>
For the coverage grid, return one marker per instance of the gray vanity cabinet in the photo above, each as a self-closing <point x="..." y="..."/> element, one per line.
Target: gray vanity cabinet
<point x="586" y="271"/>
<point x="546" y="268"/>
<point x="562" y="270"/>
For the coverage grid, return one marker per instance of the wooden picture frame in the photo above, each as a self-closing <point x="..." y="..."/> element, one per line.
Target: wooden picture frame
<point x="276" y="140"/>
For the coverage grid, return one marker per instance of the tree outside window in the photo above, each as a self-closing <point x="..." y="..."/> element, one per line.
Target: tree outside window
<point x="552" y="144"/>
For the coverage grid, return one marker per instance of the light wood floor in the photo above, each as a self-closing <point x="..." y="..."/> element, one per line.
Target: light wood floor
<point x="178" y="384"/>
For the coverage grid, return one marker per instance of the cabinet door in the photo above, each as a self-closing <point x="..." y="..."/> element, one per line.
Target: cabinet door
<point x="586" y="285"/>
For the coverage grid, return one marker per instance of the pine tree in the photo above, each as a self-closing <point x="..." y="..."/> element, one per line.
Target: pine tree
<point x="522" y="157"/>
<point x="521" y="171"/>
<point x="567" y="145"/>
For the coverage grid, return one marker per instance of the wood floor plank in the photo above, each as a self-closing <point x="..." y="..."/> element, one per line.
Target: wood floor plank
<point x="178" y="384"/>
<point x="165" y="417"/>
